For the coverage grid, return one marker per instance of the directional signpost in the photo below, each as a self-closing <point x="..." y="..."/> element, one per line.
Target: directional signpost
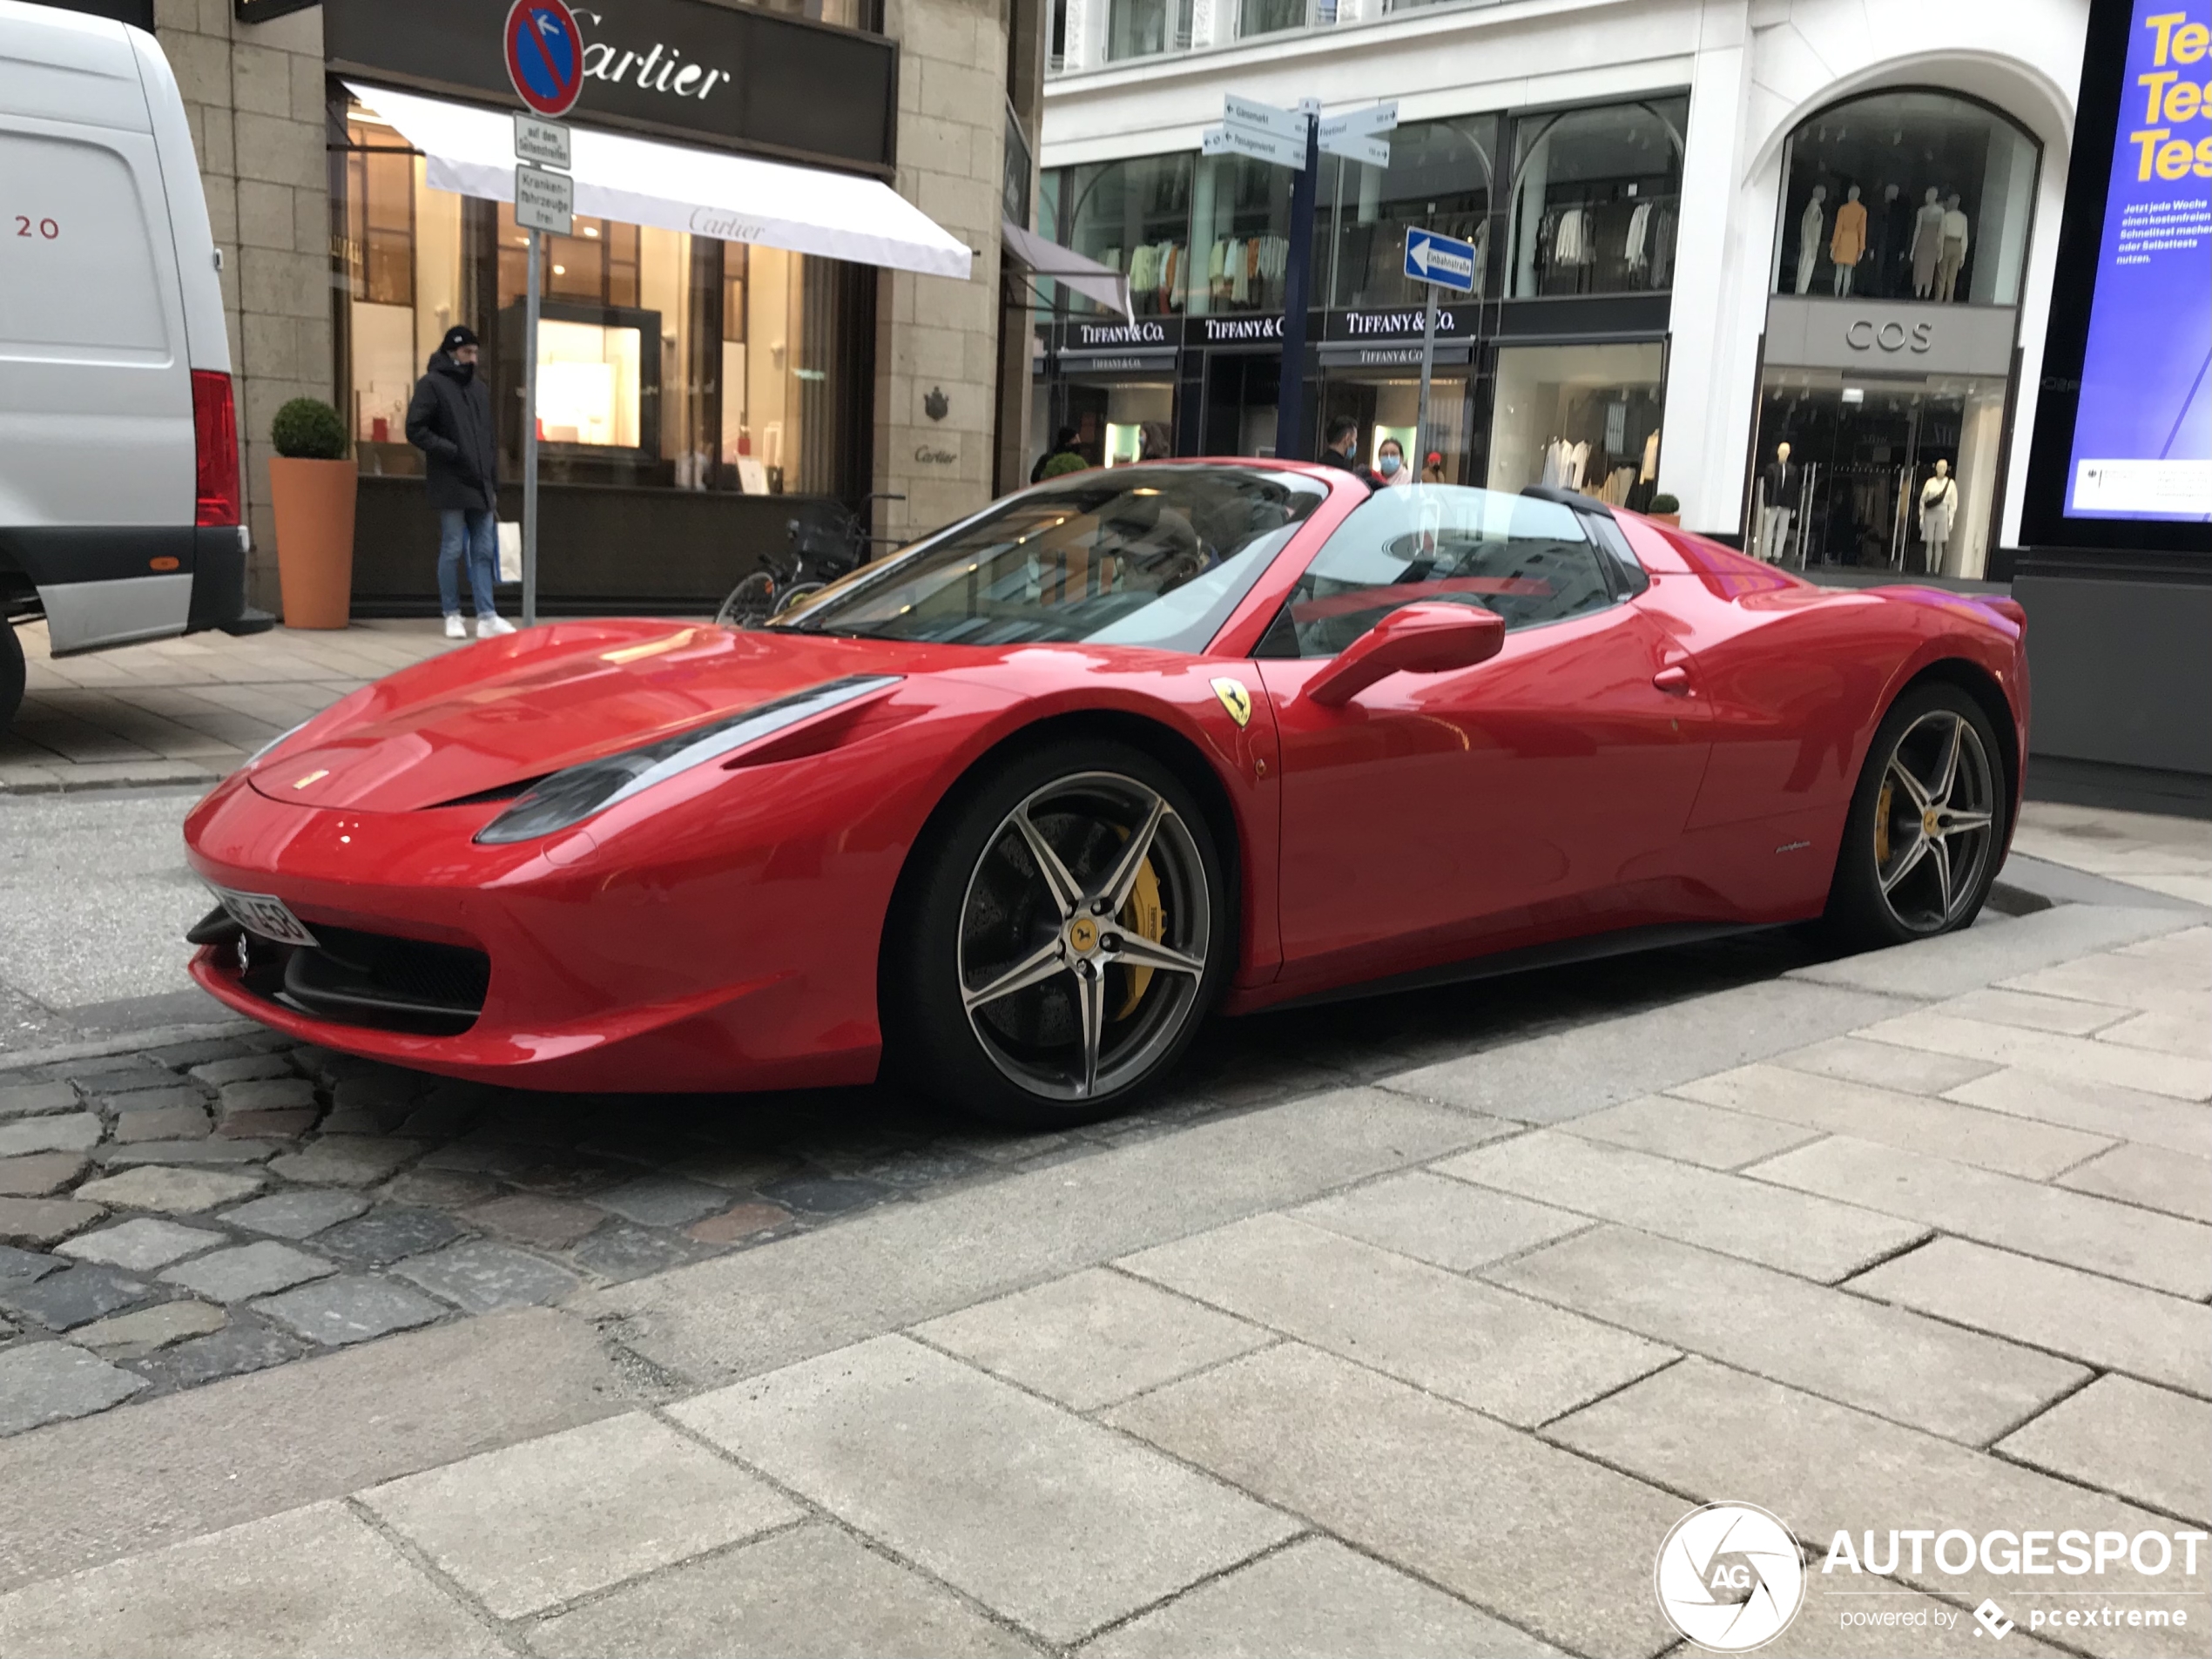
<point x="544" y="52"/>
<point x="1439" y="262"/>
<point x="1297" y="140"/>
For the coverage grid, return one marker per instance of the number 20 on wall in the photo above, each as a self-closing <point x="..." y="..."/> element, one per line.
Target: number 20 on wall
<point x="46" y="230"/>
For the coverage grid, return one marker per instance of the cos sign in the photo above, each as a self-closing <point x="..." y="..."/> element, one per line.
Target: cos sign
<point x="1867" y="336"/>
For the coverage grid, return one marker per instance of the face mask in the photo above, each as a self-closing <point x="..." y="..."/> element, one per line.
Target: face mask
<point x="1388" y="466"/>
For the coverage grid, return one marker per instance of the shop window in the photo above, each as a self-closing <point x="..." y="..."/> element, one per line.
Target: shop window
<point x="1579" y="417"/>
<point x="1240" y="228"/>
<point x="664" y="359"/>
<point x="1145" y="28"/>
<point x="1875" y="476"/>
<point x="375" y="253"/>
<point x="1386" y="404"/>
<point x="1134" y="217"/>
<point x="1439" y="178"/>
<point x="1596" y="197"/>
<point x="1911" y="196"/>
<point x="1526" y="560"/>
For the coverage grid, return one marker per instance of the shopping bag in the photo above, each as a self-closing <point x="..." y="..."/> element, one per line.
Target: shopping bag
<point x="511" y="550"/>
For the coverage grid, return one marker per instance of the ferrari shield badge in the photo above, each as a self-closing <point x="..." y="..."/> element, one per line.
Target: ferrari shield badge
<point x="1235" y="698"/>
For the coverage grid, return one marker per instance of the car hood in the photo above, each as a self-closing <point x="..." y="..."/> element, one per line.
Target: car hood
<point x="493" y="717"/>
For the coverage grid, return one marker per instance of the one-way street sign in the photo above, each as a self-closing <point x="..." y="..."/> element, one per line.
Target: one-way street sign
<point x="1443" y="260"/>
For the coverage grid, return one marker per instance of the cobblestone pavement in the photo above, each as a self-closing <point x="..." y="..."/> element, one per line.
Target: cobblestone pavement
<point x="1409" y="1327"/>
<point x="192" y="1212"/>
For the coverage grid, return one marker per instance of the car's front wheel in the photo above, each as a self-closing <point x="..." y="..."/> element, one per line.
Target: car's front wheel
<point x="1926" y="827"/>
<point x="1062" y="940"/>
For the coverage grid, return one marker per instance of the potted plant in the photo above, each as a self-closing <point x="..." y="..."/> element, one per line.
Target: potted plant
<point x="1665" y="509"/>
<point x="311" y="488"/>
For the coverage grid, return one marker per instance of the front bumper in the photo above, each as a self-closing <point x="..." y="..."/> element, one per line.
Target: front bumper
<point x="676" y="963"/>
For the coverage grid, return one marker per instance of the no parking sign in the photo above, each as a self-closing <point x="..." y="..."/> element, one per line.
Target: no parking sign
<point x="545" y="55"/>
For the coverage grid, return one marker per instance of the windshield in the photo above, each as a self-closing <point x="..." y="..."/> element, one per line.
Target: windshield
<point x="1129" y="555"/>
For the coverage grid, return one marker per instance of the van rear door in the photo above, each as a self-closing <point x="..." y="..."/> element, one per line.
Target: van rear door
<point x="97" y="448"/>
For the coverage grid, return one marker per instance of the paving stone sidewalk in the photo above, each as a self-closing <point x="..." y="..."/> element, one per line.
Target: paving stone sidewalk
<point x="1425" y="1360"/>
<point x="188" y="710"/>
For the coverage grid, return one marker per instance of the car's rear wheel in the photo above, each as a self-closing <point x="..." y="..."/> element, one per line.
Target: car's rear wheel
<point x="12" y="673"/>
<point x="1926" y="827"/>
<point x="1061" y="942"/>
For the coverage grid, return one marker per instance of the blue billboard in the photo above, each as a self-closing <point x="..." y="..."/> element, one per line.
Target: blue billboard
<point x="2142" y="431"/>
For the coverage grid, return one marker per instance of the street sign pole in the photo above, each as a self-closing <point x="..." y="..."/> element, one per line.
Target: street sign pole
<point x="1290" y="417"/>
<point x="529" y="437"/>
<point x="544" y="52"/>
<point x="1428" y="365"/>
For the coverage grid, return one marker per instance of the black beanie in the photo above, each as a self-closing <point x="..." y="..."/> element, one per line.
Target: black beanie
<point x="457" y="336"/>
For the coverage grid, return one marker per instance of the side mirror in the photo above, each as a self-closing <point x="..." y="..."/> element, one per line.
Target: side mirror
<point x="1429" y="638"/>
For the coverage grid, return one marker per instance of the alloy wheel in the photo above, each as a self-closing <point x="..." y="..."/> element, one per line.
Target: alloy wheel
<point x="1934" y="822"/>
<point x="1083" y="936"/>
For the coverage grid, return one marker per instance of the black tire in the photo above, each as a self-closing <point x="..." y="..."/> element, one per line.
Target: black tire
<point x="976" y="907"/>
<point x="12" y="673"/>
<point x="751" y="602"/>
<point x="1914" y="864"/>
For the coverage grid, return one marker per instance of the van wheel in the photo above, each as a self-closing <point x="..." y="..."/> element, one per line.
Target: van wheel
<point x="11" y="674"/>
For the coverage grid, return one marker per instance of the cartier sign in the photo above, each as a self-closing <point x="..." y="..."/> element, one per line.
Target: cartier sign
<point x="1887" y="336"/>
<point x="739" y="76"/>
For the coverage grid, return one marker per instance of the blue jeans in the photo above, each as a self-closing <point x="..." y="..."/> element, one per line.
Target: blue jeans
<point x="458" y="527"/>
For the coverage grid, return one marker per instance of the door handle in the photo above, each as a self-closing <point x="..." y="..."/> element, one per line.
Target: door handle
<point x="1673" y="681"/>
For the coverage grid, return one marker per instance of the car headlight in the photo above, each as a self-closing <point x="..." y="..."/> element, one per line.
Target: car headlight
<point x="569" y="796"/>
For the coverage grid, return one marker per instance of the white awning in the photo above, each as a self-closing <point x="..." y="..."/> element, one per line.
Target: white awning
<point x="1085" y="276"/>
<point x="708" y="192"/>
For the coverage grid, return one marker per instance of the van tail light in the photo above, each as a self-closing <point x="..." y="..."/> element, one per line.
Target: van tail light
<point x="214" y="425"/>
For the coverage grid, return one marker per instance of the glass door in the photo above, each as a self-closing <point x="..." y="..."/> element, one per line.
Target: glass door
<point x="1895" y="476"/>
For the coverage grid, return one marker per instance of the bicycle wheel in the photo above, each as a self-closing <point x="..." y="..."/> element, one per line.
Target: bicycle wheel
<point x="751" y="602"/>
<point x="797" y="590"/>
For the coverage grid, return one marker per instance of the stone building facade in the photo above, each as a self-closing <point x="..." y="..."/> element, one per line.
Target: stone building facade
<point x="254" y="95"/>
<point x="265" y="102"/>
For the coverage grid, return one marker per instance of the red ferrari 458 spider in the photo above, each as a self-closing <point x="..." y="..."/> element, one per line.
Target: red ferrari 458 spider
<point x="1006" y="815"/>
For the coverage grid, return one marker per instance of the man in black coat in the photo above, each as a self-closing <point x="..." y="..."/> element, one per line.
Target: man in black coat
<point x="450" y="421"/>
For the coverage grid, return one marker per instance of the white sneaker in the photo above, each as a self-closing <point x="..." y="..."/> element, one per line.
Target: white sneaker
<point x="456" y="628"/>
<point x="492" y="627"/>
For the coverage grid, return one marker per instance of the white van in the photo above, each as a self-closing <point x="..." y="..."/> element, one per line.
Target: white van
<point x="118" y="439"/>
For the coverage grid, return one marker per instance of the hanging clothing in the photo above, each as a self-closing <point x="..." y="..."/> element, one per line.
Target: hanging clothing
<point x="1662" y="248"/>
<point x="1639" y="228"/>
<point x="1650" y="458"/>
<point x="1568" y="239"/>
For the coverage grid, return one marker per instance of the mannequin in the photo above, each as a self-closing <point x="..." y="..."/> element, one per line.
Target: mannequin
<point x="1954" y="248"/>
<point x="1893" y="234"/>
<point x="1938" y="513"/>
<point x="1928" y="245"/>
<point x="1779" y="483"/>
<point x="1808" y="229"/>
<point x="1848" y="246"/>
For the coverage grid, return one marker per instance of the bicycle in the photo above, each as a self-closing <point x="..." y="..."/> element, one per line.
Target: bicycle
<point x="820" y="555"/>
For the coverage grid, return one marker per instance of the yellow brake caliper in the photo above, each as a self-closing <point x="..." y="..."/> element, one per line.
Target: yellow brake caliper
<point x="1881" y="825"/>
<point x="1142" y="916"/>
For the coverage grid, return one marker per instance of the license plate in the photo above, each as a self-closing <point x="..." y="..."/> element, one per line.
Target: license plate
<point x="264" y="916"/>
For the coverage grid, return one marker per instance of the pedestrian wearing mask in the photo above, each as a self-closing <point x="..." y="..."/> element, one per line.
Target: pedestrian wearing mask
<point x="1390" y="462"/>
<point x="450" y="421"/>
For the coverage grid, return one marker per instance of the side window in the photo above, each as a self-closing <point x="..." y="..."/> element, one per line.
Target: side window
<point x="1530" y="561"/>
